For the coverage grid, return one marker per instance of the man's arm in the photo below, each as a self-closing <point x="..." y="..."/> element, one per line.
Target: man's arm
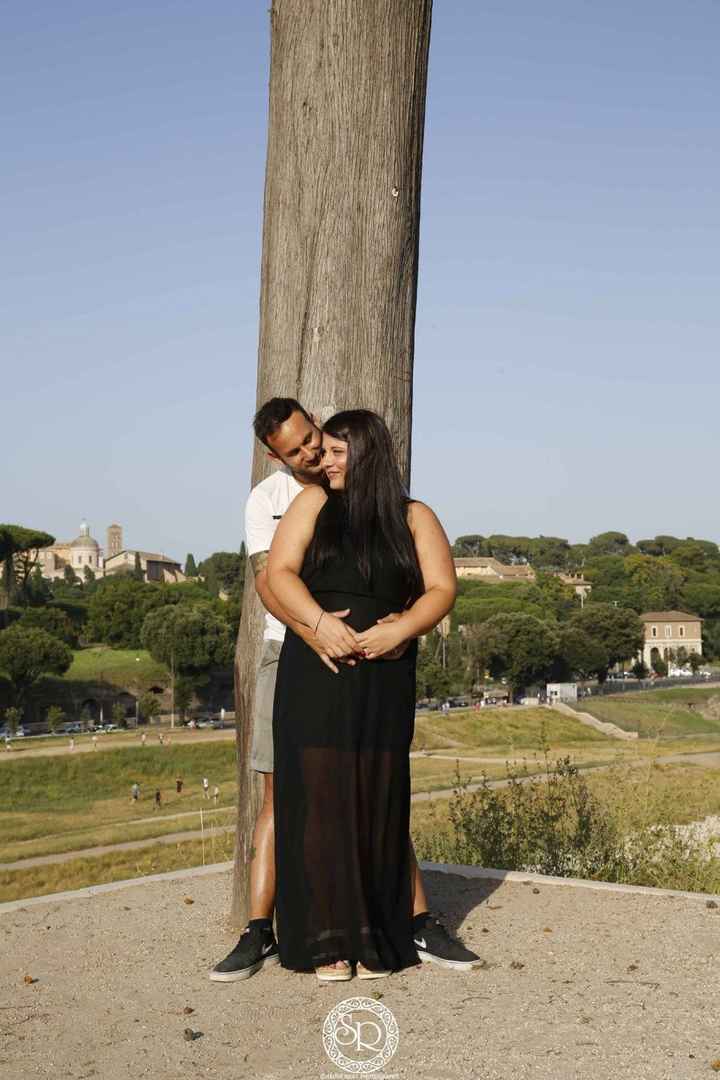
<point x="258" y="561"/>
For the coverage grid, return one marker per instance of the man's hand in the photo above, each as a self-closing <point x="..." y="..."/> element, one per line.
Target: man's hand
<point x="321" y="650"/>
<point x="396" y="653"/>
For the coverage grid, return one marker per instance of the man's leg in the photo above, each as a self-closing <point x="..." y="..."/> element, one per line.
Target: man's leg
<point x="433" y="943"/>
<point x="257" y="946"/>
<point x="262" y="863"/>
<point x="420" y="903"/>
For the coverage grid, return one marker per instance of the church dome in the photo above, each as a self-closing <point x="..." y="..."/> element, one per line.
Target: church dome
<point x="84" y="540"/>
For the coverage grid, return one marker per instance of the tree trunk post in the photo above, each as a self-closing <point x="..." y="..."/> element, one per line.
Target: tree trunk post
<point x="339" y="255"/>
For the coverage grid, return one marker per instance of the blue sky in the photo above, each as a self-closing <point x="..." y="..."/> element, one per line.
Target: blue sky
<point x="566" y="379"/>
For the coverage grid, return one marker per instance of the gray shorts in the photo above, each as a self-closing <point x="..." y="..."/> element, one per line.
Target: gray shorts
<point x="261" y="754"/>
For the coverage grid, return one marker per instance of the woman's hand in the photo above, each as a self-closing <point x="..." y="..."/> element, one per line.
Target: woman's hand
<point x="312" y="642"/>
<point x="381" y="640"/>
<point x="338" y="640"/>
<point x="396" y="653"/>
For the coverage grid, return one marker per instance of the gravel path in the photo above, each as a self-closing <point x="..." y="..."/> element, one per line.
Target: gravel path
<point x="578" y="984"/>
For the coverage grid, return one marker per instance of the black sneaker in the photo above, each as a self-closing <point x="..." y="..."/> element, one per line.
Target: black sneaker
<point x="256" y="949"/>
<point x="435" y="946"/>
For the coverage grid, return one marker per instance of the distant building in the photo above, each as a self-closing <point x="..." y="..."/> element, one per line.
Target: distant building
<point x="155" y="567"/>
<point x="577" y="582"/>
<point x="84" y="551"/>
<point x="493" y="571"/>
<point x="114" y="540"/>
<point x="668" y="631"/>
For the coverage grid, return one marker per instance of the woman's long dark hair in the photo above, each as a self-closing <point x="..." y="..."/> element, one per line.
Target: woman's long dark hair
<point x="375" y="501"/>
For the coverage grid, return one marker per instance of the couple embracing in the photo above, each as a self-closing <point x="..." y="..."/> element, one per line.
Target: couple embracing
<point x="350" y="571"/>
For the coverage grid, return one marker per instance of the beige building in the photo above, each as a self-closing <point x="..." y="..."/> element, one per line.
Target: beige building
<point x="493" y="571"/>
<point x="668" y="631"/>
<point x="155" y="567"/>
<point x="84" y="551"/>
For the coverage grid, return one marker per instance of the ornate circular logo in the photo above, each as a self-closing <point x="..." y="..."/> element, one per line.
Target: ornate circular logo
<point x="360" y="1035"/>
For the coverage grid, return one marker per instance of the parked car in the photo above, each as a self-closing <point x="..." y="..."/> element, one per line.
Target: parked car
<point x="19" y="734"/>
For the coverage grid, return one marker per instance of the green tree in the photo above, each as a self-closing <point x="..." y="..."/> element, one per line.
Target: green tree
<point x="118" y="715"/>
<point x="695" y="662"/>
<point x="640" y="669"/>
<point x="188" y="638"/>
<point x="54" y="717"/>
<point x="54" y="620"/>
<point x="70" y="577"/>
<point x="652" y="583"/>
<point x="190" y="566"/>
<point x="659" y="666"/>
<point x="26" y="653"/>
<point x="149" y="707"/>
<point x="137" y="573"/>
<point x="433" y="681"/>
<point x="579" y="655"/>
<point x="519" y="647"/>
<point x="117" y="609"/>
<point x="184" y="692"/>
<point x="661" y="545"/>
<point x="12" y="720"/>
<point x="619" y="630"/>
<point x="609" y="543"/>
<point x="552" y="552"/>
<point x="88" y="575"/>
<point x="18" y="556"/>
<point x="470" y="547"/>
<point x="224" y="571"/>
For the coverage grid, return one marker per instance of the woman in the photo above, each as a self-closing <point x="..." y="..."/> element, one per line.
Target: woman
<point x="342" y="772"/>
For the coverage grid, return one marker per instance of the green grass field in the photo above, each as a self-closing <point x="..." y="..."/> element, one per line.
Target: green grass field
<point x="67" y="802"/>
<point x="122" y="667"/>
<point x="693" y="711"/>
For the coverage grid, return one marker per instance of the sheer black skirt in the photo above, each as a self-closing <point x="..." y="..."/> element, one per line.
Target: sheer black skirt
<point x="342" y="803"/>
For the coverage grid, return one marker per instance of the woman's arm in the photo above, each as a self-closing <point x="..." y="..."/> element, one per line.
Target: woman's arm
<point x="287" y="552"/>
<point x="439" y="580"/>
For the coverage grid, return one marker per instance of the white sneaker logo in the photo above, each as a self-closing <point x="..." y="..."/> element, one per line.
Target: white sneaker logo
<point x="421" y="943"/>
<point x="266" y="948"/>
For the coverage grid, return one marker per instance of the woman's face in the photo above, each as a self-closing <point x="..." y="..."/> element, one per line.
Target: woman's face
<point x="334" y="461"/>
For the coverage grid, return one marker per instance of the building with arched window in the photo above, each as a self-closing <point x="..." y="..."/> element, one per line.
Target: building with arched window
<point x="667" y="632"/>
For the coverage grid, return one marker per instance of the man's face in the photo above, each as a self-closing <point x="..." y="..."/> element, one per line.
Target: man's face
<point x="298" y="444"/>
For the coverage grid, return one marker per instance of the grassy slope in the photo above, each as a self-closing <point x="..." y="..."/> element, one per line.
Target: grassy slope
<point x="660" y="712"/>
<point x="122" y="667"/>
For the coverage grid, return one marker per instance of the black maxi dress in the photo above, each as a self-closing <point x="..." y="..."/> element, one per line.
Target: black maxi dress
<point x="342" y="782"/>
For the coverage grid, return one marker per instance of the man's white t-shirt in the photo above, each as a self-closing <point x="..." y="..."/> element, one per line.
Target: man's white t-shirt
<point x="267" y="502"/>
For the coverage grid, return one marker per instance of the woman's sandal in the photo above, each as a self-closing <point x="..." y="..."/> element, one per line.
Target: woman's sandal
<point x="330" y="973"/>
<point x="367" y="973"/>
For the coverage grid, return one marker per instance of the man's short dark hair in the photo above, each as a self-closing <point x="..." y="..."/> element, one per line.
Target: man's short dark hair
<point x="272" y="414"/>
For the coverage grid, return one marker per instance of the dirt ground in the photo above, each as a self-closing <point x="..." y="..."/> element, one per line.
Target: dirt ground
<point x="577" y="984"/>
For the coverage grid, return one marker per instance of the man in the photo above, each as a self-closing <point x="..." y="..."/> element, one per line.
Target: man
<point x="294" y="441"/>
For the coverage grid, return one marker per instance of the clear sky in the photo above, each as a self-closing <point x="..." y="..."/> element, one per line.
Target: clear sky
<point x="566" y="373"/>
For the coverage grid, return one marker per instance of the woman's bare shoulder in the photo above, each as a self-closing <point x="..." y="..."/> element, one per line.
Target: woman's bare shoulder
<point x="309" y="501"/>
<point x="419" y="514"/>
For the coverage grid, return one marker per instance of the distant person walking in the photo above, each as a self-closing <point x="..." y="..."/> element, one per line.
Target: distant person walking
<point x="178" y="784"/>
<point x="158" y="799"/>
<point x="161" y="738"/>
<point x="135" y="792"/>
<point x="143" y="738"/>
<point x="216" y="794"/>
<point x="94" y="742"/>
<point x="71" y="744"/>
<point x="206" y="787"/>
